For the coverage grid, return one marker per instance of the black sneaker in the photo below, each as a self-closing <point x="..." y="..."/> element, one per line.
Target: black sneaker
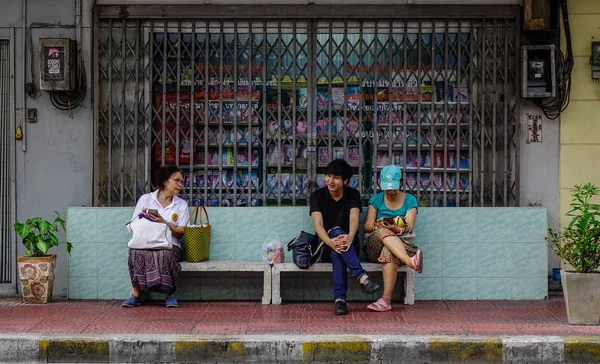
<point x="370" y="287"/>
<point x="340" y="308"/>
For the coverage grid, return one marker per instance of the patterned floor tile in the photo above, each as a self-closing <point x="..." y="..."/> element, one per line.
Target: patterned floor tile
<point x="277" y="317"/>
<point x="492" y="330"/>
<point x="470" y="305"/>
<point x="327" y="324"/>
<point x="220" y="328"/>
<point x="382" y="329"/>
<point x="547" y="329"/>
<point x="312" y="318"/>
<point x="524" y="304"/>
<point x="538" y="315"/>
<point x="172" y="315"/>
<point x="37" y="311"/>
<point x="275" y="328"/>
<point x="436" y="330"/>
<point x="21" y="324"/>
<point x="166" y="327"/>
<point x="585" y="330"/>
<point x="429" y="320"/>
<point x="328" y="330"/>
<point x="113" y="327"/>
<point x="478" y="315"/>
<point x="327" y="317"/>
<point x="384" y="318"/>
<point x="320" y="307"/>
<point x="121" y="313"/>
<point x="72" y="327"/>
<point x="90" y="304"/>
<point x="537" y="321"/>
<point x="190" y="306"/>
<point x="281" y="308"/>
<point x="8" y="304"/>
<point x="233" y="305"/>
<point x="428" y="306"/>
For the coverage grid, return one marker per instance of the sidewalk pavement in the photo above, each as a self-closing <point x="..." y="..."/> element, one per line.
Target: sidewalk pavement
<point x="240" y="331"/>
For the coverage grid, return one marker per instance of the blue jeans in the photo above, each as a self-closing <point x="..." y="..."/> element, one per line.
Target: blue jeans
<point x="341" y="262"/>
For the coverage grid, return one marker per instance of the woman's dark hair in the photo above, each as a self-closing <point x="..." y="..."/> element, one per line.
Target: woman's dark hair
<point x="164" y="173"/>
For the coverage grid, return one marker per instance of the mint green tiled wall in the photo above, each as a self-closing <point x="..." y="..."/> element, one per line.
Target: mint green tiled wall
<point x="470" y="253"/>
<point x="98" y="261"/>
<point x="482" y="253"/>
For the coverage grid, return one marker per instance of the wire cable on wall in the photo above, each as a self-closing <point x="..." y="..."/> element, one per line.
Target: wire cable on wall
<point x="597" y="87"/>
<point x="68" y="100"/>
<point x="564" y="67"/>
<point x="62" y="100"/>
<point x="34" y="93"/>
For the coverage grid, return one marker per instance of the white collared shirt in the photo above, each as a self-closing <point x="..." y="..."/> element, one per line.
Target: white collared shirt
<point x="176" y="213"/>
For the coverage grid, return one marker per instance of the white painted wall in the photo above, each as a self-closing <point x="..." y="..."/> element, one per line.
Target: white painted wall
<point x="539" y="169"/>
<point x="55" y="170"/>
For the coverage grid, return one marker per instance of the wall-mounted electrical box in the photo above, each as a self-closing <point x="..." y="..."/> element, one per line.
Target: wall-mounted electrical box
<point x="595" y="60"/>
<point x="538" y="71"/>
<point x="536" y="14"/>
<point x="58" y="63"/>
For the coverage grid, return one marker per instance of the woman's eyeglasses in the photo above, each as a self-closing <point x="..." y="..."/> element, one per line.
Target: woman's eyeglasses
<point x="178" y="181"/>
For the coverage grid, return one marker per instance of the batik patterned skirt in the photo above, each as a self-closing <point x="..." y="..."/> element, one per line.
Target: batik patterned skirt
<point x="155" y="270"/>
<point x="377" y="252"/>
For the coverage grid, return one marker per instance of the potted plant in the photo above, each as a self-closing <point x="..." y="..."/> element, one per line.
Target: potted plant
<point x="36" y="268"/>
<point x="579" y="246"/>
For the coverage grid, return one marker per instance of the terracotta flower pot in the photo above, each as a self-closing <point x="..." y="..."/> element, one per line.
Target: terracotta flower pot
<point x="37" y="278"/>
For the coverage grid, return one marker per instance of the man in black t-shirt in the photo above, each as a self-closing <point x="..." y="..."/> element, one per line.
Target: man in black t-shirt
<point x="335" y="210"/>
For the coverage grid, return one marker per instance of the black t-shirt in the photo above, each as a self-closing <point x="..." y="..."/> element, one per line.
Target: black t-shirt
<point x="336" y="213"/>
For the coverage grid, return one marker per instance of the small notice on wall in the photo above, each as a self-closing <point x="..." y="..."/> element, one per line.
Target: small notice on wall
<point x="53" y="69"/>
<point x="534" y="128"/>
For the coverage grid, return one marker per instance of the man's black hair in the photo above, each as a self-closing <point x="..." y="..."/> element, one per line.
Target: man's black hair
<point x="339" y="167"/>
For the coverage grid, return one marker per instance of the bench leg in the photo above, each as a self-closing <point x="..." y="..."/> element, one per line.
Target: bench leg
<point x="267" y="286"/>
<point x="409" y="287"/>
<point x="276" y="286"/>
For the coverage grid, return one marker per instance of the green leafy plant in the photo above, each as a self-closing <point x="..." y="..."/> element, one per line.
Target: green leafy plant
<point x="579" y="244"/>
<point x="39" y="235"/>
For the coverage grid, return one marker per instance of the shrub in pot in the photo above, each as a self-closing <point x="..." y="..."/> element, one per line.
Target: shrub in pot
<point x="579" y="246"/>
<point x="37" y="267"/>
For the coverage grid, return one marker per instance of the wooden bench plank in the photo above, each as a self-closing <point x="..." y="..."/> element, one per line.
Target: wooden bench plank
<point x="409" y="279"/>
<point x="235" y="266"/>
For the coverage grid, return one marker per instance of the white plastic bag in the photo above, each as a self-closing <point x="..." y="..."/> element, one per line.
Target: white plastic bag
<point x="147" y="234"/>
<point x="272" y="250"/>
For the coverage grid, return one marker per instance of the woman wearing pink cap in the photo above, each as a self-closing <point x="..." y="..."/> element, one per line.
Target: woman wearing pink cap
<point x="391" y="216"/>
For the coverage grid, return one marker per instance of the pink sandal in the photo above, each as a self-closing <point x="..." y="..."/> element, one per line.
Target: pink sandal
<point x="380" y="306"/>
<point x="417" y="261"/>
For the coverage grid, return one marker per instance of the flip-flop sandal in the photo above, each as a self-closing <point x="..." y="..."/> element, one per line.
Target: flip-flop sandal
<point x="417" y="261"/>
<point x="380" y="306"/>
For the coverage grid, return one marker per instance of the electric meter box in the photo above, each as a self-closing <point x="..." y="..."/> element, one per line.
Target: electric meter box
<point x="539" y="71"/>
<point x="58" y="63"/>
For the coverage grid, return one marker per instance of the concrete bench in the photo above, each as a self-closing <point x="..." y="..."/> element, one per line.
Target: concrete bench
<point x="409" y="278"/>
<point x="235" y="266"/>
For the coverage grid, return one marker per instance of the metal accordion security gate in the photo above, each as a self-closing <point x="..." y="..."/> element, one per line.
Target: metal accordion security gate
<point x="253" y="110"/>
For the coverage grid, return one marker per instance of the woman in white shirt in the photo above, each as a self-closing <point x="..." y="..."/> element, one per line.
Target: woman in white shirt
<point x="157" y="270"/>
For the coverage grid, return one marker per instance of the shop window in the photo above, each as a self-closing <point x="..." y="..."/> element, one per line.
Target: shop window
<point x="253" y="111"/>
